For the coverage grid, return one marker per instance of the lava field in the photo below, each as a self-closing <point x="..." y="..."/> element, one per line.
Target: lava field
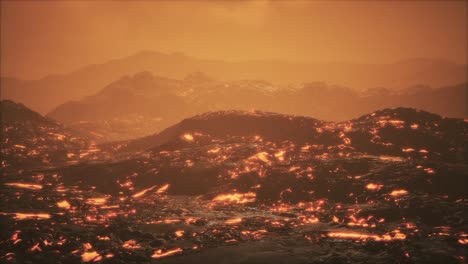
<point x="238" y="187"/>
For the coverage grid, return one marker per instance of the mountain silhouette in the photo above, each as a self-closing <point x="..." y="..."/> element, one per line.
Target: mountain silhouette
<point x="46" y="93"/>
<point x="142" y="104"/>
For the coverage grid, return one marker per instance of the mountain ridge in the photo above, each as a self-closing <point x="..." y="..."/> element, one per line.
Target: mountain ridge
<point x="44" y="94"/>
<point x="138" y="105"/>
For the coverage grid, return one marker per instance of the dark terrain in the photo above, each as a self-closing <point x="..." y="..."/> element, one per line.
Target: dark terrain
<point x="237" y="187"/>
<point x="142" y="104"/>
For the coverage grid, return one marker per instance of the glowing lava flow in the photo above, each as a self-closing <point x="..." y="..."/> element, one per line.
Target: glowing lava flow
<point x="24" y="185"/>
<point x="88" y="256"/>
<point x="162" y="189"/>
<point x="160" y="254"/>
<point x="233" y="221"/>
<point x="399" y="192"/>
<point x="143" y="192"/>
<point x="188" y="137"/>
<point x="97" y="201"/>
<point x="63" y="204"/>
<point x="131" y="244"/>
<point x="239" y="198"/>
<point x="373" y="186"/>
<point x="23" y="216"/>
<point x="363" y="236"/>
<point x="263" y="156"/>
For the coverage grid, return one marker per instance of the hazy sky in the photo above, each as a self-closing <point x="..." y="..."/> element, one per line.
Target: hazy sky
<point x="40" y="38"/>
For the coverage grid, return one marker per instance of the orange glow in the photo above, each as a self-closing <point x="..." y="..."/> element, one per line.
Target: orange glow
<point x="131" y="244"/>
<point x="179" y="233"/>
<point x="399" y="192"/>
<point x="143" y="192"/>
<point x="233" y="221"/>
<point x="97" y="200"/>
<point x="215" y="150"/>
<point x="63" y="204"/>
<point x="23" y="216"/>
<point x="188" y="137"/>
<point x="364" y="236"/>
<point x="280" y="155"/>
<point x="408" y="150"/>
<point x="90" y="256"/>
<point x="373" y="186"/>
<point x="160" y="254"/>
<point x="263" y="156"/>
<point x="36" y="247"/>
<point x="239" y="198"/>
<point x="163" y="189"/>
<point x="24" y="185"/>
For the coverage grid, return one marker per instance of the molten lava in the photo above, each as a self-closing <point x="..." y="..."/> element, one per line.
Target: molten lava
<point x="24" y="185"/>
<point x="160" y="254"/>
<point x="239" y="198"/>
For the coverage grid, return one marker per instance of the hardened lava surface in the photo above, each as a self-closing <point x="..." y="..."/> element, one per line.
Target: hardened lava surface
<point x="389" y="187"/>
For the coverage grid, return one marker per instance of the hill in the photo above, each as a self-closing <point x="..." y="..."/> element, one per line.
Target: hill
<point x="44" y="94"/>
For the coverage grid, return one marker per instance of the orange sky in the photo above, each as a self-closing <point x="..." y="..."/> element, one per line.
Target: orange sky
<point x="40" y="38"/>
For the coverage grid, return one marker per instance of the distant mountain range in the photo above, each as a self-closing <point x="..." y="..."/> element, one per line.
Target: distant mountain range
<point x="139" y="105"/>
<point x="45" y="94"/>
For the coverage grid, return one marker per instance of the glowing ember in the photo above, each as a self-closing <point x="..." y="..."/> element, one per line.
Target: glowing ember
<point x="24" y="185"/>
<point x="233" y="221"/>
<point x="87" y="246"/>
<point x="373" y="186"/>
<point x="63" y="204"/>
<point x="408" y="150"/>
<point x="160" y="254"/>
<point x="239" y="198"/>
<point x="263" y="156"/>
<point x="143" y="192"/>
<point x="89" y="256"/>
<point x="22" y="216"/>
<point x="280" y="155"/>
<point x="36" y="247"/>
<point x="215" y="150"/>
<point x="97" y="200"/>
<point x="363" y="236"/>
<point x="429" y="170"/>
<point x="179" y="233"/>
<point x="162" y="189"/>
<point x="131" y="244"/>
<point x="187" y="137"/>
<point x="399" y="192"/>
<point x="15" y="237"/>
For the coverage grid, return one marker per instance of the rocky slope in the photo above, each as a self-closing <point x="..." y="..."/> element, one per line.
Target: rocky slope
<point x="30" y="140"/>
<point x="253" y="187"/>
<point x="142" y="104"/>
